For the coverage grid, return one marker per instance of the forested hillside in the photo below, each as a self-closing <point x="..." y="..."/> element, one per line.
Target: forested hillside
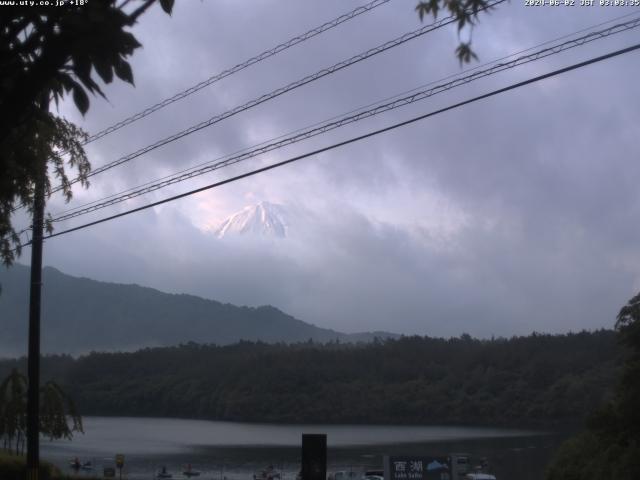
<point x="539" y="380"/>
<point x="80" y="315"/>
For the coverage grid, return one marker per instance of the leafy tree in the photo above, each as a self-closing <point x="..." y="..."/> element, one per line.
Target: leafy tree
<point x="627" y="401"/>
<point x="45" y="54"/>
<point x="44" y="136"/>
<point x="610" y="447"/>
<point x="13" y="410"/>
<point x="56" y="410"/>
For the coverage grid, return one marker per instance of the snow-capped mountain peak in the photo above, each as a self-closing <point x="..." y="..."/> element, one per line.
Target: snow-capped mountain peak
<point x="264" y="218"/>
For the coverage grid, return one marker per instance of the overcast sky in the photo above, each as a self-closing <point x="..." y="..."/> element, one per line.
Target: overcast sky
<point x="515" y="214"/>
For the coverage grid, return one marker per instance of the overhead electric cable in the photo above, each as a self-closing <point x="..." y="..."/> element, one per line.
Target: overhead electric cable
<point x="352" y="111"/>
<point x="335" y="117"/>
<point x="226" y="73"/>
<point x="347" y="119"/>
<point x="280" y="91"/>
<point x="352" y="140"/>
<point x="241" y="66"/>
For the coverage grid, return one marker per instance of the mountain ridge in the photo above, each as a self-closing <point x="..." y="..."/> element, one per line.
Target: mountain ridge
<point x="80" y="314"/>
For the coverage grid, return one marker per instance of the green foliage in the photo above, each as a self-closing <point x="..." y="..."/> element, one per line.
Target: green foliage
<point x="466" y="14"/>
<point x="540" y="380"/>
<point x="464" y="53"/>
<point x="47" y="53"/>
<point x="56" y="409"/>
<point x="13" y="410"/>
<point x="610" y="448"/>
<point x="167" y="5"/>
<point x="587" y="457"/>
<point x="45" y="136"/>
<point x="628" y="326"/>
<point x="13" y="467"/>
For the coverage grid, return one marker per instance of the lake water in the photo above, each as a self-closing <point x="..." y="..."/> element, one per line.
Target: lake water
<point x="237" y="450"/>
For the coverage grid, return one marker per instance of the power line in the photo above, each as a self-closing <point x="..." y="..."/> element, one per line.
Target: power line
<point x="226" y="73"/>
<point x="241" y="66"/>
<point x="246" y="149"/>
<point x="280" y="91"/>
<point x="347" y="119"/>
<point x="352" y="140"/>
<point x="347" y="113"/>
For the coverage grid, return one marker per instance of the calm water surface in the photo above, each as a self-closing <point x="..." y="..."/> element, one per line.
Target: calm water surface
<point x="237" y="450"/>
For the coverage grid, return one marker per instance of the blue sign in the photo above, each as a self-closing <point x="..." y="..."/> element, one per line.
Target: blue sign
<point x="417" y="468"/>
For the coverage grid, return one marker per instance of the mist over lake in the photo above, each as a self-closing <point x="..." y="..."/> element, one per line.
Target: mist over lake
<point x="237" y="450"/>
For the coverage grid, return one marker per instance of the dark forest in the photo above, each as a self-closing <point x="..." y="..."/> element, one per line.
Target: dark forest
<point x="538" y="380"/>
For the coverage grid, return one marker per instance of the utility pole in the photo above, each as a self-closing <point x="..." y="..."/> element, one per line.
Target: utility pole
<point x="33" y="369"/>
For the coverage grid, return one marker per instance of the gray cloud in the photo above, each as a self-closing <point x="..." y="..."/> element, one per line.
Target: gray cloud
<point x="507" y="216"/>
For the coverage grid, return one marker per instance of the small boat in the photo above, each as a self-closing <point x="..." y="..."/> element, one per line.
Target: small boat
<point x="163" y="473"/>
<point x="189" y="472"/>
<point x="268" y="473"/>
<point x="76" y="465"/>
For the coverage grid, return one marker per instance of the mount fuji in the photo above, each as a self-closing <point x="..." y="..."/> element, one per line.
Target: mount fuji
<point x="264" y="219"/>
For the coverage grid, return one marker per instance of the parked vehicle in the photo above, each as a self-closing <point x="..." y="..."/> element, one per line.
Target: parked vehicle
<point x="373" y="475"/>
<point x="479" y="476"/>
<point x="343" y="475"/>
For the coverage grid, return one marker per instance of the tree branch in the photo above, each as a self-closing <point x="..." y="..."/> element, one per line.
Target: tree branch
<point x="133" y="17"/>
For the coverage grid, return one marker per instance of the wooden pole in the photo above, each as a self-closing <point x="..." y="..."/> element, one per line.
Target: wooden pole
<point x="33" y="367"/>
